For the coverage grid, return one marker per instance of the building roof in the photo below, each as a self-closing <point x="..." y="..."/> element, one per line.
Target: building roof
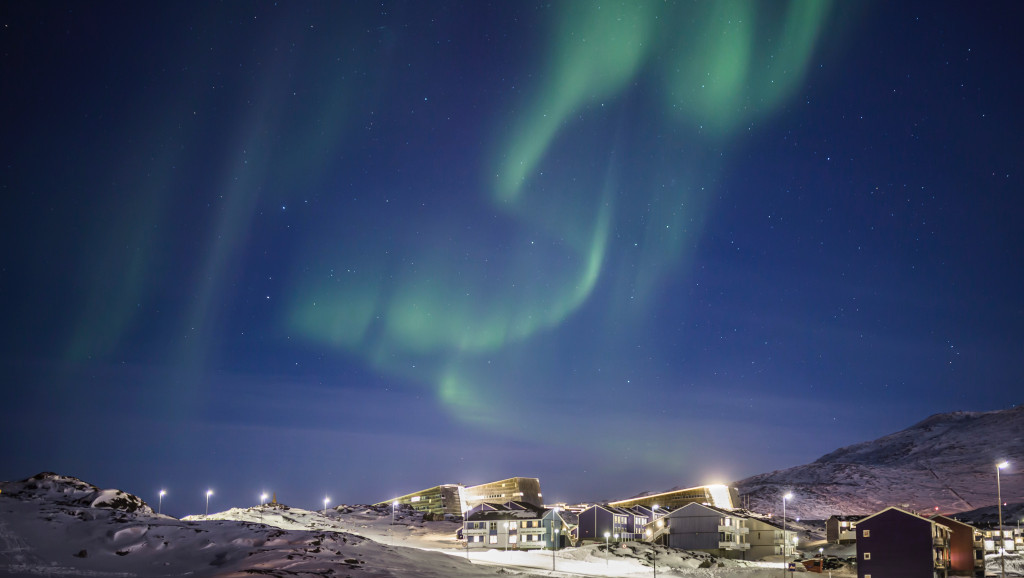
<point x="846" y="518"/>
<point x="902" y="511"/>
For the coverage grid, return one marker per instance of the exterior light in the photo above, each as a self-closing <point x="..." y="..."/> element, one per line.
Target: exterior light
<point x="787" y="496"/>
<point x="1002" y="534"/>
<point x="160" y="503"/>
<point x="326" y="501"/>
<point x="208" y="494"/>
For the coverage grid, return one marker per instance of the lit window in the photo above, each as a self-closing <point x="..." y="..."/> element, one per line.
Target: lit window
<point x="867" y="555"/>
<point x="865" y="534"/>
<point x="512" y="539"/>
<point x="493" y="540"/>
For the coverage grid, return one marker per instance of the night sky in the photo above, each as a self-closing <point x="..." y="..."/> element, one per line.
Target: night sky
<point x="357" y="249"/>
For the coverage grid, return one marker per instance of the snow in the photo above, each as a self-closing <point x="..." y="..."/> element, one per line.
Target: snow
<point x="44" y="533"/>
<point x="944" y="464"/>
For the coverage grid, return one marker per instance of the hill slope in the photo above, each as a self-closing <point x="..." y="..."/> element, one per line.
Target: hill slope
<point x="944" y="463"/>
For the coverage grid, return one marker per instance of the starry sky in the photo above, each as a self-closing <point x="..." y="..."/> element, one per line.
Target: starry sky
<point x="356" y="249"/>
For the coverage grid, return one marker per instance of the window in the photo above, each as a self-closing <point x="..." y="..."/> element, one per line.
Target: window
<point x="512" y="525"/>
<point x="493" y="526"/>
<point x="865" y="533"/>
<point x="867" y="555"/>
<point x="493" y="540"/>
<point x="512" y="539"/>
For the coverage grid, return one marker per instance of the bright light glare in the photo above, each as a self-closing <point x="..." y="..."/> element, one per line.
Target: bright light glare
<point x="209" y="493"/>
<point x="1002" y="465"/>
<point x="788" y="496"/>
<point x="163" y="493"/>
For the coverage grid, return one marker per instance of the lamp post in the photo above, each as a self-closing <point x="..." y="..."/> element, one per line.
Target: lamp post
<point x="1002" y="536"/>
<point x="326" y="501"/>
<point x="554" y="545"/>
<point x="160" y="503"/>
<point x="785" y="540"/>
<point x="208" y="494"/>
<point x="394" y="506"/>
<point x="263" y="500"/>
<point x="606" y="536"/>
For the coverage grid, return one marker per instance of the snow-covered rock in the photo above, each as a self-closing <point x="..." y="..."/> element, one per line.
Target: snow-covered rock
<point x="946" y="463"/>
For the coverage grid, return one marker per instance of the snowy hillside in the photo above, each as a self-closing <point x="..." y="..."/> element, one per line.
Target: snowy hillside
<point x="53" y="525"/>
<point x="945" y="463"/>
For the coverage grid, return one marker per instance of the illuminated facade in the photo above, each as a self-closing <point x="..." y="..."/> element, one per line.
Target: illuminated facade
<point x="444" y="499"/>
<point x="510" y="490"/>
<point x="718" y="496"/>
<point x="455" y="499"/>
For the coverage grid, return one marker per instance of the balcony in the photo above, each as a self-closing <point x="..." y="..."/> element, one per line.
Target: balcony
<point x="734" y="545"/>
<point x="738" y="530"/>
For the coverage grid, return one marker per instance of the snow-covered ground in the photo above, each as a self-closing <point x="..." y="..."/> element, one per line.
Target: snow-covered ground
<point x="58" y="526"/>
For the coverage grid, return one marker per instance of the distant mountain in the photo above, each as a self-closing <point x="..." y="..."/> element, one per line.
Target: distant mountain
<point x="946" y="463"/>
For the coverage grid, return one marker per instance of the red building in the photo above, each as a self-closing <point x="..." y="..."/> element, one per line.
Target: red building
<point x="966" y="548"/>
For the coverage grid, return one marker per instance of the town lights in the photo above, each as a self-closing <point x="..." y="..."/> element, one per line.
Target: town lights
<point x="208" y="494"/>
<point x="160" y="503"/>
<point x="1002" y="534"/>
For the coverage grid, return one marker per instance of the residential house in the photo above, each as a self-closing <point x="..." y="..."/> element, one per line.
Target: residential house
<point x="597" y="520"/>
<point x="966" y="547"/>
<point x="500" y="526"/>
<point x="768" y="538"/>
<point x="841" y="529"/>
<point x="896" y="543"/>
<point x="702" y="527"/>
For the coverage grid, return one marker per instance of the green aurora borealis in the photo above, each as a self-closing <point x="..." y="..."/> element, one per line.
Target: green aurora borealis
<point x="458" y="313"/>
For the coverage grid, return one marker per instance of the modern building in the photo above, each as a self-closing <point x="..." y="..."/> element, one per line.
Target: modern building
<point x="966" y="547"/>
<point x="513" y="489"/>
<point x="895" y="542"/>
<point x="456" y="498"/>
<point x="444" y="499"/>
<point x="522" y="527"/>
<point x="841" y="529"/>
<point x="719" y="496"/>
<point x="702" y="527"/>
<point x="769" y="538"/>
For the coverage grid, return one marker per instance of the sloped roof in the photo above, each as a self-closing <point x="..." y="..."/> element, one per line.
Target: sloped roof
<point x="902" y="511"/>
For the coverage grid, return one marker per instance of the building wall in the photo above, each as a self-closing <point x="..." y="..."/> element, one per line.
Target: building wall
<point x="963" y="546"/>
<point x="895" y="544"/>
<point x="446" y="499"/>
<point x="695" y="527"/>
<point x="767" y="540"/>
<point x="517" y="489"/>
<point x="720" y="496"/>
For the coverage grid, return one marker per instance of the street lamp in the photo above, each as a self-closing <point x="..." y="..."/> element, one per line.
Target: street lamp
<point x="326" y="501"/>
<point x="263" y="500"/>
<point x="554" y="545"/>
<point x="785" y="541"/>
<point x="606" y="535"/>
<point x="394" y="506"/>
<point x="160" y="503"/>
<point x="208" y="494"/>
<point x="1002" y="536"/>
